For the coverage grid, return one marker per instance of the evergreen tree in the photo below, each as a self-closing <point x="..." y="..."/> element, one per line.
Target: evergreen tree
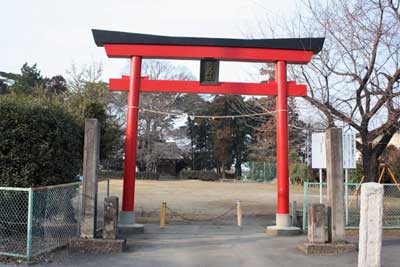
<point x="28" y="81"/>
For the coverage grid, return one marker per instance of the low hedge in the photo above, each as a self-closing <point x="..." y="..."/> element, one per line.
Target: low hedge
<point x="199" y="175"/>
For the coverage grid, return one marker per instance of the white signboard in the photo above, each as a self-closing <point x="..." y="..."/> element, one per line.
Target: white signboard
<point x="318" y="153"/>
<point x="318" y="157"/>
<point x="349" y="151"/>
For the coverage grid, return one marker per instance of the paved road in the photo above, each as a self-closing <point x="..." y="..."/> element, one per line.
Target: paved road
<point x="211" y="245"/>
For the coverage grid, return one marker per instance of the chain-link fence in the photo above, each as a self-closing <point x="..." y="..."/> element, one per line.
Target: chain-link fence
<point x="391" y="203"/>
<point x="14" y="221"/>
<point x="262" y="171"/>
<point x="37" y="220"/>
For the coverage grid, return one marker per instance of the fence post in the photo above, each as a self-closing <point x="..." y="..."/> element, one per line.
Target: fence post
<point x="305" y="185"/>
<point x="346" y="195"/>
<point x="163" y="214"/>
<point x="239" y="213"/>
<point x="29" y="225"/>
<point x="320" y="186"/>
<point x="108" y="187"/>
<point x="294" y="213"/>
<point x="265" y="178"/>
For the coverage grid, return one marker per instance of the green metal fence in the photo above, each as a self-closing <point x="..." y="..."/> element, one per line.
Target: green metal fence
<point x="391" y="203"/>
<point x="37" y="220"/>
<point x="262" y="171"/>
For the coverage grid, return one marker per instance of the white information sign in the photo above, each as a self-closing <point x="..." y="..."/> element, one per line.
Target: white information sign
<point x="349" y="151"/>
<point x="318" y="153"/>
<point x="318" y="156"/>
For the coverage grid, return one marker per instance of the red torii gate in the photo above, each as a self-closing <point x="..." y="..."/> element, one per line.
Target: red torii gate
<point x="137" y="46"/>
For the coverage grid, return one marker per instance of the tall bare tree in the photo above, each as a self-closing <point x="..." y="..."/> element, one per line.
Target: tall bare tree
<point x="355" y="79"/>
<point x="156" y="127"/>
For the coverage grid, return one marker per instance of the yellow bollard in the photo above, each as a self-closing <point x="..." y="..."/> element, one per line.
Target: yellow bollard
<point x="239" y="213"/>
<point x="163" y="214"/>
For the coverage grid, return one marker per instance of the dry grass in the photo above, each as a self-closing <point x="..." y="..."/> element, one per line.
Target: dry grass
<point x="200" y="197"/>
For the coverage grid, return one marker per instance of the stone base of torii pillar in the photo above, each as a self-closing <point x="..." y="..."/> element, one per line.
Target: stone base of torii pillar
<point x="127" y="224"/>
<point x="283" y="227"/>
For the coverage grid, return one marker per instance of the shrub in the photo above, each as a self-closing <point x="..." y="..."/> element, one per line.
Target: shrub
<point x="299" y="172"/>
<point x="40" y="143"/>
<point x="199" y="175"/>
<point x="355" y="175"/>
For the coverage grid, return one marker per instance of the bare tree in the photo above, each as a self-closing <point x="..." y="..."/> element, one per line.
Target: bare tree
<point x="155" y="126"/>
<point x="355" y="79"/>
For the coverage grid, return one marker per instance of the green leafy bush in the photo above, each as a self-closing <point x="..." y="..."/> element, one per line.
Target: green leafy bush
<point x="40" y="143"/>
<point x="355" y="175"/>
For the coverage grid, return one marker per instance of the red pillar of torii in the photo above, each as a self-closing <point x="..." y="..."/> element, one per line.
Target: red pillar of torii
<point x="279" y="51"/>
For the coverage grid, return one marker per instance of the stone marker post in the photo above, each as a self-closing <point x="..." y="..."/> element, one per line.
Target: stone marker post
<point x="316" y="224"/>
<point x="90" y="176"/>
<point x="334" y="175"/>
<point x="110" y="230"/>
<point x="370" y="233"/>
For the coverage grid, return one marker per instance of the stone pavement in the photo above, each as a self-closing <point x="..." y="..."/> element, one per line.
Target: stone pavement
<point x="211" y="245"/>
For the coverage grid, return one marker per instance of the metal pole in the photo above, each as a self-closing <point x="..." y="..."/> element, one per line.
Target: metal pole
<point x="108" y="187"/>
<point x="320" y="186"/>
<point x="346" y="194"/>
<point x="29" y="225"/>
<point x="294" y="213"/>
<point x="305" y="205"/>
<point x="128" y="196"/>
<point x="264" y="174"/>
<point x="282" y="216"/>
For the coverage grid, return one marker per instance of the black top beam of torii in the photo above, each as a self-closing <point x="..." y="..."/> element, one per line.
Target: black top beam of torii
<point x="102" y="37"/>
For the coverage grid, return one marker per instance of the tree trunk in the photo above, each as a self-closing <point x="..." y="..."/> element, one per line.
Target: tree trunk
<point x="238" y="168"/>
<point x="370" y="165"/>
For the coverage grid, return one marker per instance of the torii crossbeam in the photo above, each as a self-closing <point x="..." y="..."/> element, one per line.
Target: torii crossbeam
<point x="279" y="51"/>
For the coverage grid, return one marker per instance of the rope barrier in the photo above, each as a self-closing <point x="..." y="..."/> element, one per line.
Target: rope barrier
<point x="215" y="218"/>
<point x="144" y="213"/>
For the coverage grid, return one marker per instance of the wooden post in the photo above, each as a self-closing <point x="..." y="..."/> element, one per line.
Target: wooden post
<point x="90" y="177"/>
<point x="239" y="213"/>
<point x="163" y="215"/>
<point x="334" y="176"/>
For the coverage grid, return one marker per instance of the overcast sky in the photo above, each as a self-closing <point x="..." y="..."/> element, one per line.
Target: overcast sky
<point x="55" y="34"/>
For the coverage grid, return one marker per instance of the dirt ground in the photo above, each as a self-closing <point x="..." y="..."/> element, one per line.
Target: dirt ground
<point x="200" y="200"/>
